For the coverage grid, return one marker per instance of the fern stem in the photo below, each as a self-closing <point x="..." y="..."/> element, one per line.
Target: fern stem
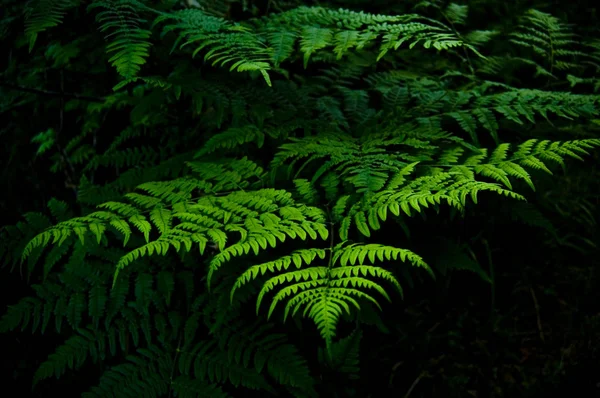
<point x="537" y="314"/>
<point x="414" y="384"/>
<point x="471" y="69"/>
<point x="177" y="351"/>
<point x="492" y="275"/>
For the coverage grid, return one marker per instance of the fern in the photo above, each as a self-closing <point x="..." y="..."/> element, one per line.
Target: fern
<point x="326" y="291"/>
<point x="206" y="208"/>
<point x="235" y="47"/>
<point x="130" y="46"/>
<point x="45" y="14"/>
<point x="548" y="38"/>
<point x="343" y="355"/>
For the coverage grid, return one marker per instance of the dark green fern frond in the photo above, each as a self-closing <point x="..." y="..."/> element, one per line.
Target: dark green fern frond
<point x="548" y="38"/>
<point x="344" y="355"/>
<point x="205" y="361"/>
<point x="232" y="138"/>
<point x="343" y="30"/>
<point x="268" y="351"/>
<point x="478" y="109"/>
<point x="528" y="214"/>
<point x="129" y="45"/>
<point x="146" y="373"/>
<point x="366" y="165"/>
<point x="141" y="156"/>
<point x="44" y="14"/>
<point x="185" y="387"/>
<point x="71" y="355"/>
<point x="225" y="44"/>
<point x="450" y="256"/>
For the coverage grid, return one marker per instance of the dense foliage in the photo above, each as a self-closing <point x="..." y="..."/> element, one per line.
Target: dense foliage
<point x="227" y="199"/>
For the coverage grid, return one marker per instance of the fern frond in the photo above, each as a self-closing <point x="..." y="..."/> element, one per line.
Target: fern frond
<point x="325" y="292"/>
<point x="148" y="371"/>
<point x="205" y="361"/>
<point x="257" y="344"/>
<point x="531" y="154"/>
<point x="232" y="138"/>
<point x="225" y="44"/>
<point x="44" y="14"/>
<point x="343" y="355"/>
<point x="548" y="38"/>
<point x="129" y="45"/>
<point x="71" y="355"/>
<point x="186" y="387"/>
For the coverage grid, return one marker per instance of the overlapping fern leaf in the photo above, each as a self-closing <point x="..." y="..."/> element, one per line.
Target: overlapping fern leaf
<point x="550" y="39"/>
<point x="169" y="210"/>
<point x="377" y="176"/>
<point x="180" y="225"/>
<point x="488" y="107"/>
<point x="216" y="209"/>
<point x="137" y="318"/>
<point x="267" y="42"/>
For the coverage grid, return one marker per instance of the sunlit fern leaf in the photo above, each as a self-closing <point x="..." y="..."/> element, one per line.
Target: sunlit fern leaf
<point x="325" y="292"/>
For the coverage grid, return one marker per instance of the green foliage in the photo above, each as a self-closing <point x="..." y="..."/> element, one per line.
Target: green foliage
<point x="129" y="44"/>
<point x="45" y="14"/>
<point x="288" y="184"/>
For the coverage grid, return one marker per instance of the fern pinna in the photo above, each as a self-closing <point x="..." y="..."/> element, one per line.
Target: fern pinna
<point x="356" y="122"/>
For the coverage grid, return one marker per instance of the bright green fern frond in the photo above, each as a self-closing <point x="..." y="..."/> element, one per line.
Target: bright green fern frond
<point x="326" y="291"/>
<point x="499" y="166"/>
<point x="306" y="191"/>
